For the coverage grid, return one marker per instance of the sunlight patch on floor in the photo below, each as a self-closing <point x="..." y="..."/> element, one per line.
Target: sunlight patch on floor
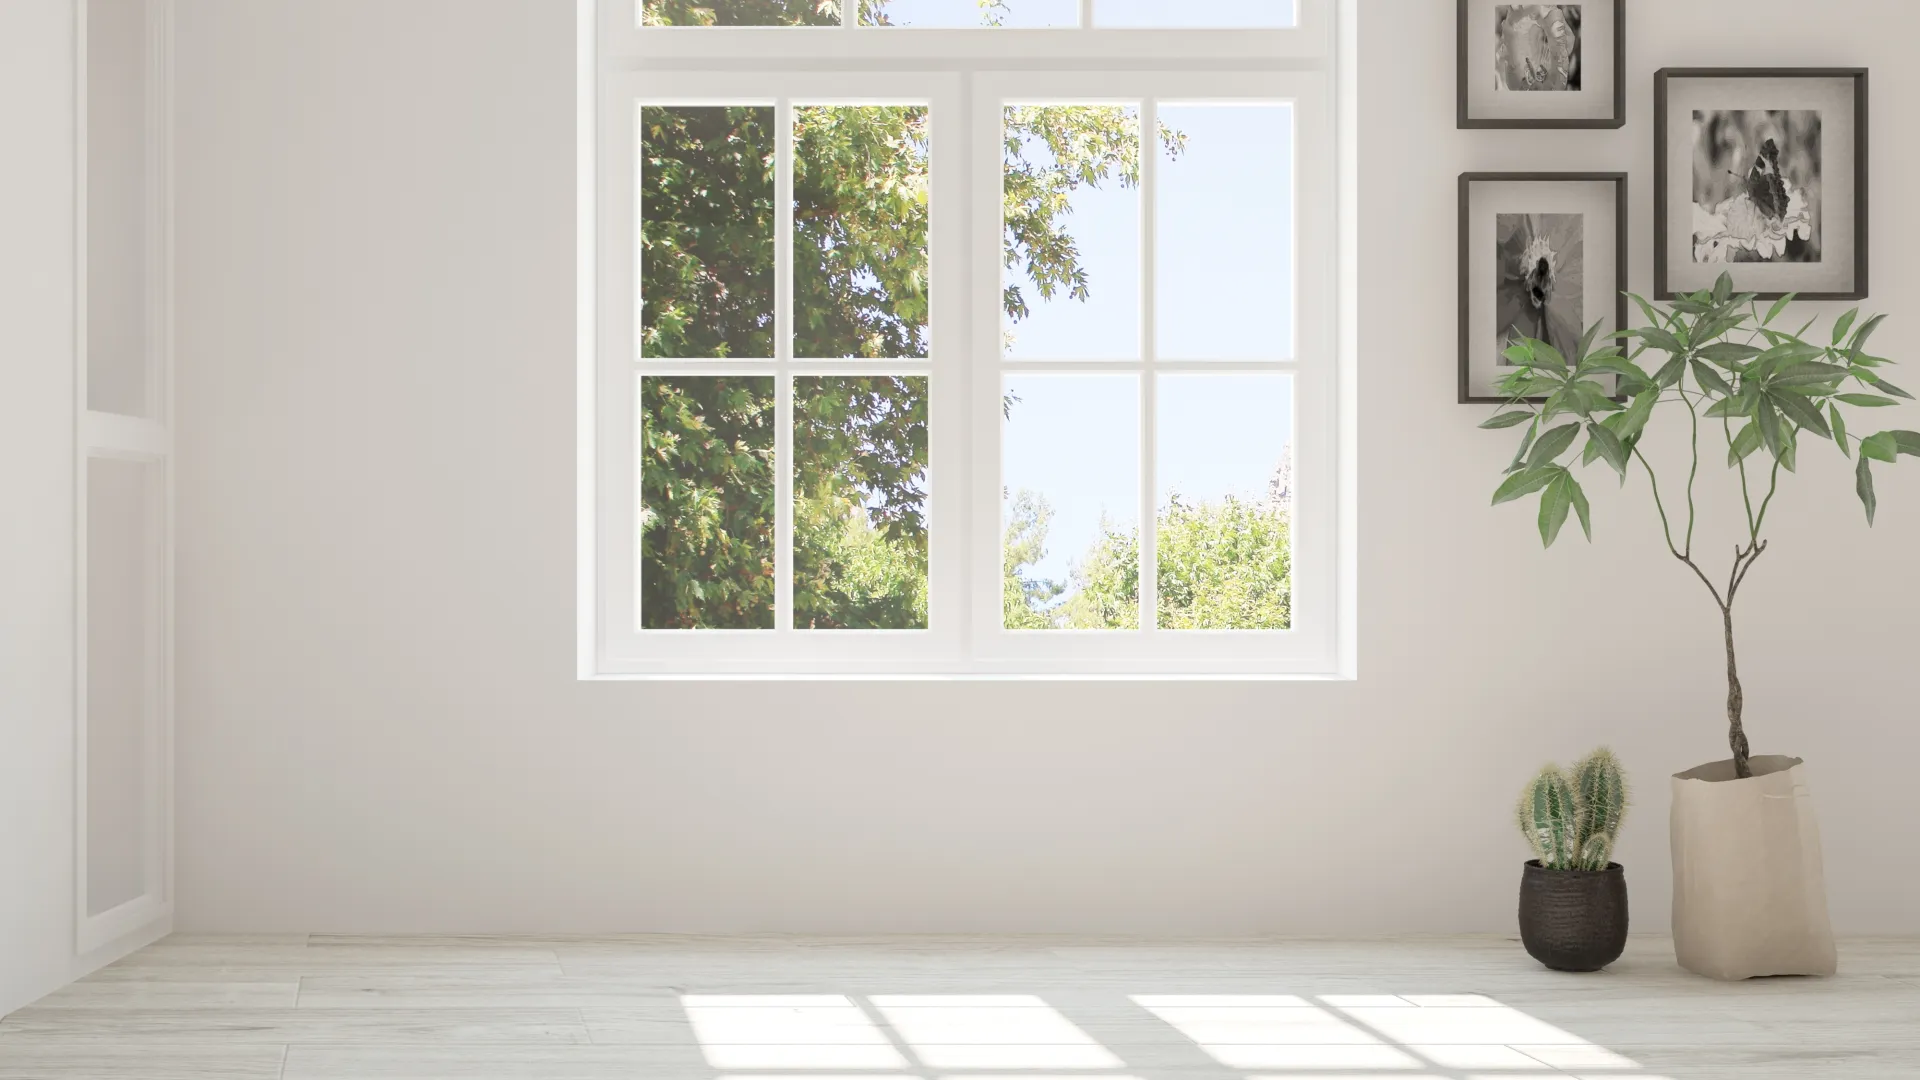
<point x="1264" y="1036"/>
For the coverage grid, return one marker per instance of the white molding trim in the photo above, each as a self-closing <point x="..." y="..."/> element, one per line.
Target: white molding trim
<point x="149" y="438"/>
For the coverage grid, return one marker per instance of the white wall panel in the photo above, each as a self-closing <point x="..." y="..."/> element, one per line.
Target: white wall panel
<point x="118" y="279"/>
<point x="125" y="550"/>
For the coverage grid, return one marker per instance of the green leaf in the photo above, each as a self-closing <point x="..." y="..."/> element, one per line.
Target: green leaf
<point x="1728" y="353"/>
<point x="1534" y="360"/>
<point x="1770" y="432"/>
<point x="1579" y="498"/>
<point x="1866" y="401"/>
<point x="1744" y="444"/>
<point x="1866" y="330"/>
<point x="1839" y="429"/>
<point x="1634" y="420"/>
<point x="1863" y="486"/>
<point x="1739" y="405"/>
<point x="1662" y="340"/>
<point x="1880" y="447"/>
<point x="1802" y="412"/>
<point x="1790" y="450"/>
<point x="1552" y="444"/>
<point x="1843" y="324"/>
<point x="1653" y="317"/>
<point x="1619" y="364"/>
<point x="1518" y="353"/>
<point x="1610" y="447"/>
<point x="1555" y="501"/>
<point x="1870" y="378"/>
<point x="1546" y="355"/>
<point x="1523" y="483"/>
<point x="1908" y="442"/>
<point x="1586" y="340"/>
<point x="1526" y="441"/>
<point x="1723" y="288"/>
<point x="1710" y="380"/>
<point x="1508" y="419"/>
<point x="1805" y="373"/>
<point x="1670" y="372"/>
<point x="1594" y="396"/>
<point x="1779" y="306"/>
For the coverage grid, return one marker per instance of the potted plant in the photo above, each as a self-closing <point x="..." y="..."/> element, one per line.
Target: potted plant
<point x="1749" y="895"/>
<point x="1573" y="896"/>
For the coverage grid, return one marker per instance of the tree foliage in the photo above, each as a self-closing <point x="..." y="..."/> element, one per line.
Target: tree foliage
<point x="707" y="502"/>
<point x="781" y="12"/>
<point x="1225" y="565"/>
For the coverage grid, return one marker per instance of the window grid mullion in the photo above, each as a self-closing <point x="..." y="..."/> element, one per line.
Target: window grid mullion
<point x="1086" y="14"/>
<point x="1149" y="438"/>
<point x="783" y="359"/>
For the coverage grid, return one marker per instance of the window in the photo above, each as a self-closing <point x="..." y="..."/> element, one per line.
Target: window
<point x="960" y="337"/>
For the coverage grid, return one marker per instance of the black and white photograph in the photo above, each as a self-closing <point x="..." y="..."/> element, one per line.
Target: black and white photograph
<point x="1756" y="185"/>
<point x="1542" y="256"/>
<point x="1760" y="173"/>
<point x="1536" y="47"/>
<point x="1540" y="278"/>
<point x="1541" y="65"/>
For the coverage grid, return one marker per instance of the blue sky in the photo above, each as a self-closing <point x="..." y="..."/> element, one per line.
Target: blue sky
<point x="1030" y="13"/>
<point x="1223" y="229"/>
<point x="1223" y="241"/>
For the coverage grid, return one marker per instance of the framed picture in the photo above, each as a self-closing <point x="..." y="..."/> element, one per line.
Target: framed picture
<point x="1542" y="65"/>
<point x="1760" y="172"/>
<point x="1542" y="255"/>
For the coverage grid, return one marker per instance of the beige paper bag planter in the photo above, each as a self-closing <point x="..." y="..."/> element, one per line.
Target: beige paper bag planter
<point x="1749" y="889"/>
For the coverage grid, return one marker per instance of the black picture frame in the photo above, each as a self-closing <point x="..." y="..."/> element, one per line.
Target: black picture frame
<point x="1620" y="252"/>
<point x="1661" y="286"/>
<point x="1617" y="120"/>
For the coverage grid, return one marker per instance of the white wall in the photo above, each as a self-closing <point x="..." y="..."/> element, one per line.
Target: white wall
<point x="379" y="727"/>
<point x="36" y="499"/>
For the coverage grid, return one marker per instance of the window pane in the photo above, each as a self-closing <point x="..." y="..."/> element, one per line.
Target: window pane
<point x="1225" y="471"/>
<point x="860" y="231"/>
<point x="860" y="502"/>
<point x="706" y="241"/>
<point x="1072" y="265"/>
<point x="707" y="502"/>
<point x="998" y="13"/>
<point x="1070" y="502"/>
<point x="1236" y="14"/>
<point x="740" y="13"/>
<point x="1223" y="219"/>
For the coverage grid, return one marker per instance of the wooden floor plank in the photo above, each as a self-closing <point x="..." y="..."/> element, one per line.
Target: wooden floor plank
<point x="369" y="1007"/>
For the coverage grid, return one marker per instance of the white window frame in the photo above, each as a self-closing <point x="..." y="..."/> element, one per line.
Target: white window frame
<point x="964" y="76"/>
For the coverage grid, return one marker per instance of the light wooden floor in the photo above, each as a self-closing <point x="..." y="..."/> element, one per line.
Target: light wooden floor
<point x="646" y="1008"/>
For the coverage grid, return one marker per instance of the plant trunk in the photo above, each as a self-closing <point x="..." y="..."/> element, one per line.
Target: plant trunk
<point x="1736" y="703"/>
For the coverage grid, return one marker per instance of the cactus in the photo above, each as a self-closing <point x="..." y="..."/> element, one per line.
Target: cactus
<point x="1548" y="818"/>
<point x="1572" y="820"/>
<point x="1600" y="790"/>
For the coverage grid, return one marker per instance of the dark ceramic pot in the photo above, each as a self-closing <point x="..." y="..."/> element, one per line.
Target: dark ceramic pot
<point x="1573" y="920"/>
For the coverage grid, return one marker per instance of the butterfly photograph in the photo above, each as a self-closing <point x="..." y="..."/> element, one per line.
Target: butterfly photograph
<point x="1756" y="185"/>
<point x="1773" y="185"/>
